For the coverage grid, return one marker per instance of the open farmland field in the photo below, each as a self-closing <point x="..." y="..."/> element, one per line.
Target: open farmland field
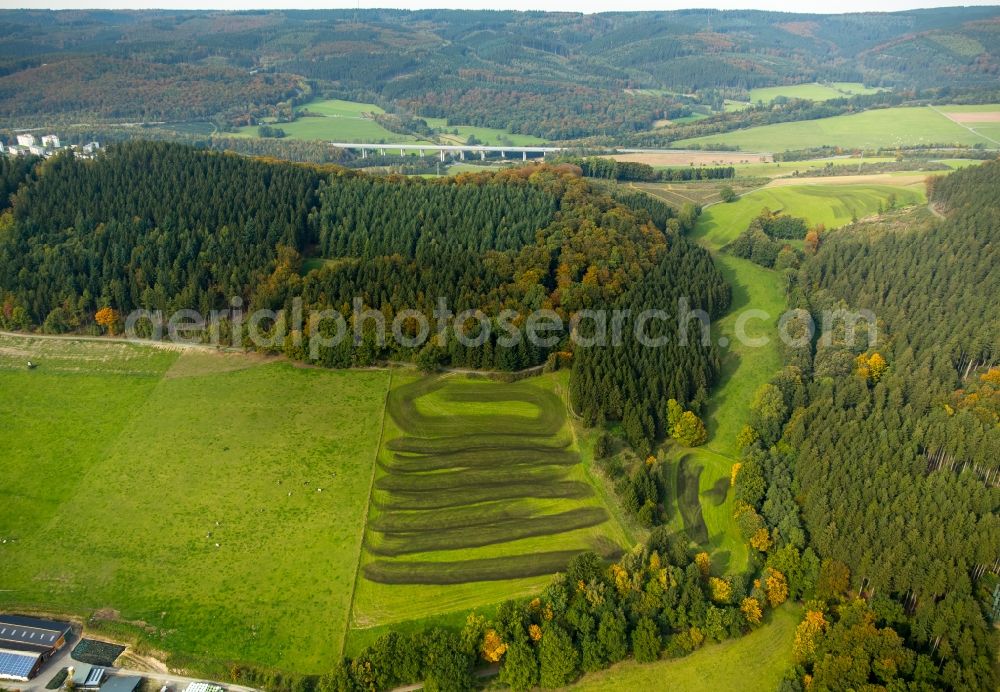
<point x="887" y="127"/>
<point x="753" y="663"/>
<point x="339" y="129"/>
<point x="480" y="496"/>
<point x="182" y="492"/>
<point x="335" y="120"/>
<point x="813" y="92"/>
<point x="350" y="121"/>
<point x="832" y="205"/>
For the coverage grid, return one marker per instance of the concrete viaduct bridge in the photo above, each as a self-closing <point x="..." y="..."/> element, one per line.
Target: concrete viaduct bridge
<point x="444" y="150"/>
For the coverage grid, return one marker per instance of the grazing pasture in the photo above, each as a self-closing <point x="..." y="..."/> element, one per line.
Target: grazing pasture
<point x="480" y="495"/>
<point x="885" y="127"/>
<point x="201" y="509"/>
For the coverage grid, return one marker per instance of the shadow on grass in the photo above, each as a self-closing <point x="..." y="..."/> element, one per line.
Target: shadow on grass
<point x="718" y="492"/>
<point x="688" y="501"/>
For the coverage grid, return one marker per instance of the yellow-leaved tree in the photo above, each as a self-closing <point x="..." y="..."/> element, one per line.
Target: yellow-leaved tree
<point x="493" y="647"/>
<point x="871" y="368"/>
<point x="704" y="563"/>
<point x="804" y="646"/>
<point x="750" y="607"/>
<point x="108" y="318"/>
<point x="776" y="586"/>
<point x="721" y="590"/>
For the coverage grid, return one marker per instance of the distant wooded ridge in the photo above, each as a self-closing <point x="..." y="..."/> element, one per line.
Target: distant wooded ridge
<point x="555" y="75"/>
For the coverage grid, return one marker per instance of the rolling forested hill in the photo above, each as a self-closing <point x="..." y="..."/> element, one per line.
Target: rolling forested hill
<point x="558" y="76"/>
<point x="82" y="235"/>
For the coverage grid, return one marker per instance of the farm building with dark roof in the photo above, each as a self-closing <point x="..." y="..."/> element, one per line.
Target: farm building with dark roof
<point x="26" y="643"/>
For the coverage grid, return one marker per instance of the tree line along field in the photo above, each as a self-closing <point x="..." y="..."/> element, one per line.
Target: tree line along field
<point x="203" y="505"/>
<point x="480" y="496"/>
<point x="888" y="127"/>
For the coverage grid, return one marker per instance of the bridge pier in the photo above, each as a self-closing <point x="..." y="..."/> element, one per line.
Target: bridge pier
<point x="524" y="156"/>
<point x="482" y="154"/>
<point x="461" y="154"/>
<point x="401" y="153"/>
<point x="441" y="152"/>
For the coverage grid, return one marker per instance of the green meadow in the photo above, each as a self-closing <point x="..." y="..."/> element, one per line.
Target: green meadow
<point x="813" y="92"/>
<point x="886" y="127"/>
<point x="781" y="169"/>
<point x="755" y="662"/>
<point x="830" y="205"/>
<point x="337" y="120"/>
<point x="201" y="502"/>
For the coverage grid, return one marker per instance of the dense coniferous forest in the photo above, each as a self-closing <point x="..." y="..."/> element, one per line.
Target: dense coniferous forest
<point x="159" y="226"/>
<point x="881" y="458"/>
<point x="560" y="76"/>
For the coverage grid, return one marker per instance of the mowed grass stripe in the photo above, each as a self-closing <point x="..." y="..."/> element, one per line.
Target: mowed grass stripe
<point x="466" y="515"/>
<point x="469" y="478"/>
<point x="395" y="544"/>
<point x="566" y="490"/>
<point x="465" y="571"/>
<point x="473" y="459"/>
<point x="475" y="442"/>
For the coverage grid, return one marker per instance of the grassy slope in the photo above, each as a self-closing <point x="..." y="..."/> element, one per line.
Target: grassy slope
<point x="141" y="467"/>
<point x="345" y="121"/>
<point x="376" y="605"/>
<point x="814" y="92"/>
<point x="876" y="128"/>
<point x="780" y="169"/>
<point x="754" y="662"/>
<point x="831" y="205"/>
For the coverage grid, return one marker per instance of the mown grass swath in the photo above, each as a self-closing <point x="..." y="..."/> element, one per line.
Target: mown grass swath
<point x="473" y="443"/>
<point x="566" y="490"/>
<point x="489" y="458"/>
<point x="463" y="571"/>
<point x="502" y="531"/>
